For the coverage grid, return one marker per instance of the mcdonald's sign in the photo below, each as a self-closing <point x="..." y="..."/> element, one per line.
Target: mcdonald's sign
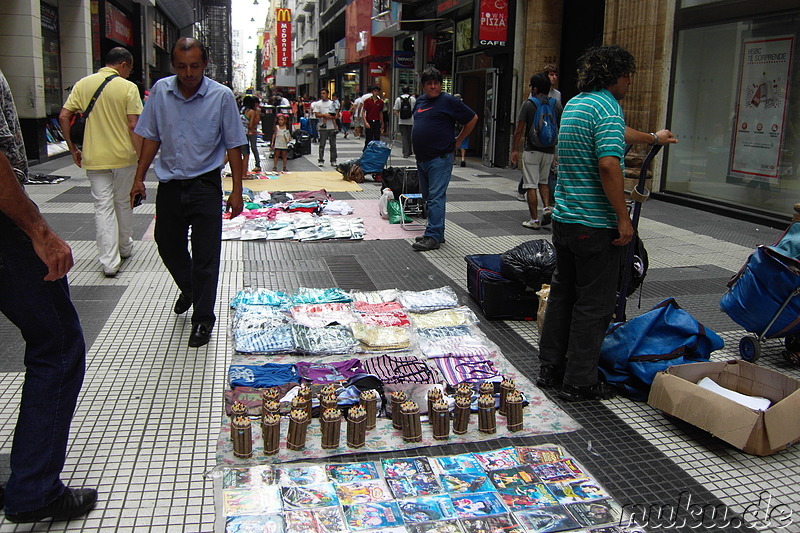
<point x="283" y="36"/>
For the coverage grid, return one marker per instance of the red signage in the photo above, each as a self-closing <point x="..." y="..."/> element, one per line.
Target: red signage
<point x="493" y="23"/>
<point x="118" y="27"/>
<point x="283" y="18"/>
<point x="265" y="52"/>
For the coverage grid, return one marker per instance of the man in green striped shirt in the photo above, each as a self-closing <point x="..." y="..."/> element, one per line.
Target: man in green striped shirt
<point x="591" y="225"/>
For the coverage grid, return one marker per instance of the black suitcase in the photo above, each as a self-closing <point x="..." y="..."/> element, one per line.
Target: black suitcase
<point x="498" y="297"/>
<point x="303" y="142"/>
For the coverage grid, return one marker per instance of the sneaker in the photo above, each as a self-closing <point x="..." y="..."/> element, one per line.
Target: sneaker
<point x="333" y="163"/>
<point x="549" y="377"/>
<point x="418" y="239"/>
<point x="320" y="162"/>
<point x="522" y="197"/>
<point x="598" y="391"/>
<point x="547" y="216"/>
<point x="532" y="224"/>
<point x="425" y="244"/>
<point x="256" y="169"/>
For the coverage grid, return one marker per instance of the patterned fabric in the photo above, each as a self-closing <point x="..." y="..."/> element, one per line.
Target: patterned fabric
<point x="592" y="127"/>
<point x="400" y="369"/>
<point x="268" y="340"/>
<point x="320" y="315"/>
<point x="254" y="296"/>
<point x="381" y="338"/>
<point x="461" y="346"/>
<point x="379" y="307"/>
<point x="461" y="316"/>
<point x="11" y="143"/>
<point x="394" y="318"/>
<point x="330" y="340"/>
<point x="249" y="316"/>
<point x="374" y="297"/>
<point x="262" y="376"/>
<point x="304" y="295"/>
<point x="324" y="373"/>
<point x="430" y="300"/>
<point x="473" y="369"/>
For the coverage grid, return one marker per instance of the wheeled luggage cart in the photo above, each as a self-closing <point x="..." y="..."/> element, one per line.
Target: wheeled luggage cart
<point x="638" y="195"/>
<point x="761" y="296"/>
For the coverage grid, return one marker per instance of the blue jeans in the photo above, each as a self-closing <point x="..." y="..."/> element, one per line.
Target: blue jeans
<point x="55" y="358"/>
<point x="434" y="177"/>
<point x="252" y="138"/>
<point x="197" y="203"/>
<point x="581" y="302"/>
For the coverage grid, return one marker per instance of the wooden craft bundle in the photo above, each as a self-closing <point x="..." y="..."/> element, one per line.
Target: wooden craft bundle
<point x="356" y="426"/>
<point x="412" y="428"/>
<point x="363" y="417"/>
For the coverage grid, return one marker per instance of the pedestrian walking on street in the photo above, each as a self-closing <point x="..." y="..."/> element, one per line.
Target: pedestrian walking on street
<point x="109" y="153"/>
<point x="252" y="113"/>
<point x="34" y="295"/>
<point x="327" y="113"/>
<point x="591" y="225"/>
<point x="194" y="121"/>
<point x="372" y="113"/>
<point x="403" y="109"/>
<point x="435" y="115"/>
<point x="538" y="152"/>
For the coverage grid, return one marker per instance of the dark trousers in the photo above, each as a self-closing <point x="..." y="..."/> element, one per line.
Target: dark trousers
<point x="325" y="136"/>
<point x="55" y="358"/>
<point x="405" y="133"/>
<point x="581" y="302"/>
<point x="373" y="133"/>
<point x="194" y="203"/>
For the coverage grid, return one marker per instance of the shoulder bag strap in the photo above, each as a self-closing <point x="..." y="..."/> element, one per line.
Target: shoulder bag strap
<point x="97" y="95"/>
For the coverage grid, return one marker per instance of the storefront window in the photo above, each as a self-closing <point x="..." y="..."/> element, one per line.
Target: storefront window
<point x="736" y="112"/>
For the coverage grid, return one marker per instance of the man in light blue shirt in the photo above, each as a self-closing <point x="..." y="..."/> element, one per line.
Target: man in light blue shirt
<point x="195" y="122"/>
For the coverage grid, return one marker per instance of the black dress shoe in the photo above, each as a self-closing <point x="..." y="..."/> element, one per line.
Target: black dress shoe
<point x="417" y="239"/>
<point x="183" y="304"/>
<point x="549" y="377"/>
<point x="201" y="334"/>
<point x="598" y="391"/>
<point x="71" y="504"/>
<point x="425" y="243"/>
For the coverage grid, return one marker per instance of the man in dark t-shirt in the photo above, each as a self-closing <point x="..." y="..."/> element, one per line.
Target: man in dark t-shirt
<point x="435" y="116"/>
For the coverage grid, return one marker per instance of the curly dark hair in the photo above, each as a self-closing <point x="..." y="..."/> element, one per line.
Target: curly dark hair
<point x="601" y="67"/>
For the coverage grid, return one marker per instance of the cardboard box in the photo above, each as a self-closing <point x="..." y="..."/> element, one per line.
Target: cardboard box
<point x="675" y="392"/>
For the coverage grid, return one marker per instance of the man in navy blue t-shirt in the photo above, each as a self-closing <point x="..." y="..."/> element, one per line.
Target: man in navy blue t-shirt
<point x="433" y="138"/>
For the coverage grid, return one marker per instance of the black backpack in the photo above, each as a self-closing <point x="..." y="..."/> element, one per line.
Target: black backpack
<point x="405" y="107"/>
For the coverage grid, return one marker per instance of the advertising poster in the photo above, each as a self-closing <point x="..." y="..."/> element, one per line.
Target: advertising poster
<point x="283" y="39"/>
<point x="493" y="22"/>
<point x="761" y="106"/>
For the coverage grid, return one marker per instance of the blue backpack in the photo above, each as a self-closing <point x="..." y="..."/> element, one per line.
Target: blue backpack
<point x="543" y="131"/>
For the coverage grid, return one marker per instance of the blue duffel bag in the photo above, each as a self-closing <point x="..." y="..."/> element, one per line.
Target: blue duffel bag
<point x="633" y="352"/>
<point x="374" y="157"/>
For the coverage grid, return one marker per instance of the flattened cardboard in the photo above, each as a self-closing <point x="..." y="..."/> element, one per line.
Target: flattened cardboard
<point x="675" y="391"/>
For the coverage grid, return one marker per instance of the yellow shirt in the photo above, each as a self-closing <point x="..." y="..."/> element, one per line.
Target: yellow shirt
<point x="107" y="140"/>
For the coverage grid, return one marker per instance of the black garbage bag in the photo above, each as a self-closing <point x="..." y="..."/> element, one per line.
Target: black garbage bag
<point x="531" y="263"/>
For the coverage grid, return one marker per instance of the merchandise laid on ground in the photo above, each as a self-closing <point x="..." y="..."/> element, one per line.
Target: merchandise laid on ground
<point x="156" y="458"/>
<point x="533" y="489"/>
<point x="393" y="353"/>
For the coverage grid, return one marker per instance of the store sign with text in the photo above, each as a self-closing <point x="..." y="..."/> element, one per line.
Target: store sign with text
<point x="493" y="23"/>
<point x="283" y="18"/>
<point x="265" y="52"/>
<point x="118" y="27"/>
<point x="764" y="74"/>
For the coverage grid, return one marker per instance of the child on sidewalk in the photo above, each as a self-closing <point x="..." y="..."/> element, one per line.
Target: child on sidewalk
<point x="280" y="141"/>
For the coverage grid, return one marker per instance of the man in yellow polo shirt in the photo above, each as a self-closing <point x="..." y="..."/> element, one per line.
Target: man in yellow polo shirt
<point x="110" y="152"/>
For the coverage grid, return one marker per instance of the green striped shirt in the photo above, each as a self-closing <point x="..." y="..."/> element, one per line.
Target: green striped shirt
<point x="592" y="127"/>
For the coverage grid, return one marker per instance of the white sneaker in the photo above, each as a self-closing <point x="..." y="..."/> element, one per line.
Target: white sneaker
<point x="532" y="224"/>
<point x="522" y="197"/>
